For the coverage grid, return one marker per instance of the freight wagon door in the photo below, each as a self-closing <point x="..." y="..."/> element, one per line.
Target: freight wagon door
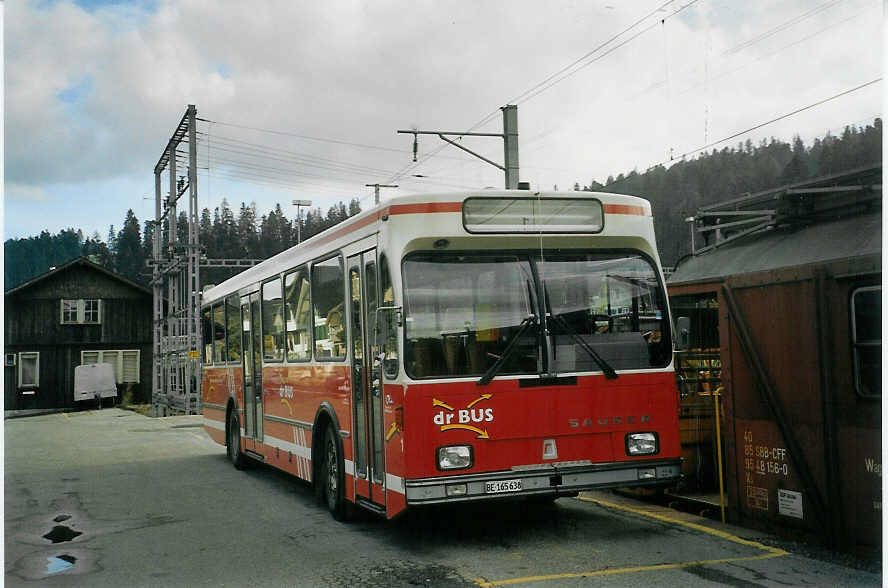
<point x="366" y="390"/>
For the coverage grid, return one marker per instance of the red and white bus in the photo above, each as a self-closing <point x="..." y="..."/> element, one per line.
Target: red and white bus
<point x="452" y="347"/>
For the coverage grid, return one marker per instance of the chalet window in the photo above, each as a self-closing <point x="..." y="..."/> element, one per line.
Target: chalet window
<point x="81" y="311"/>
<point x="29" y="369"/>
<point x="69" y="311"/>
<point x="866" y="340"/>
<point x="91" y="311"/>
<point x="124" y="361"/>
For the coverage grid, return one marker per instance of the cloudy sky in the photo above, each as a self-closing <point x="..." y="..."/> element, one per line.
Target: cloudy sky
<point x="302" y="99"/>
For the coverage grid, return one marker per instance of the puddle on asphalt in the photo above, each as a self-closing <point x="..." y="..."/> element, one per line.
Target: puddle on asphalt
<point x="60" y="538"/>
<point x="60" y="563"/>
<point x="45" y="564"/>
<point x="61" y="534"/>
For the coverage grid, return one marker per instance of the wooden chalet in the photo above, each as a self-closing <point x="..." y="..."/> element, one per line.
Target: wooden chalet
<point x="74" y="314"/>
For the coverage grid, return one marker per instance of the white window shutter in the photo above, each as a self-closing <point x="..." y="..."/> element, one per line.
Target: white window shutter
<point x="113" y="357"/>
<point x="131" y="366"/>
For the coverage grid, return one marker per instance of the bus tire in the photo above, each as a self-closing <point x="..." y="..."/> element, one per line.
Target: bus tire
<point x="333" y="476"/>
<point x="238" y="459"/>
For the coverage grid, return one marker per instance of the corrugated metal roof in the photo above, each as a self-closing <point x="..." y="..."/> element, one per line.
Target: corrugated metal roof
<point x="777" y="248"/>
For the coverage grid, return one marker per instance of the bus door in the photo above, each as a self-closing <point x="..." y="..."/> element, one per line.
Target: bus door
<point x="366" y="386"/>
<point x="252" y="359"/>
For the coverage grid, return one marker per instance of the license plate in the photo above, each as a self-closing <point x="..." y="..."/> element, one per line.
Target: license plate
<point x="501" y="486"/>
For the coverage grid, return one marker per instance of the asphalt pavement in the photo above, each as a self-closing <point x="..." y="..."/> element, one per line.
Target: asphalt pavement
<point x="111" y="498"/>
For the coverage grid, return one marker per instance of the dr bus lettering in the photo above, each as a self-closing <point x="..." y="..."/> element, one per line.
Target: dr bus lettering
<point x="465" y="416"/>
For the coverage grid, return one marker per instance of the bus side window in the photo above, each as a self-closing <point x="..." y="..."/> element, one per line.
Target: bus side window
<point x="388" y="327"/>
<point x="218" y="333"/>
<point x="297" y="315"/>
<point x="207" y="335"/>
<point x="272" y="321"/>
<point x="232" y="316"/>
<point x="328" y="298"/>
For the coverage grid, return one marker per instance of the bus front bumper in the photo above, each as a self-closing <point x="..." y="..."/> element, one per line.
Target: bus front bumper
<point x="542" y="480"/>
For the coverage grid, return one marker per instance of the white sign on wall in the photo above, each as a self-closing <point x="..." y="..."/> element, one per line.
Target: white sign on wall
<point x="789" y="504"/>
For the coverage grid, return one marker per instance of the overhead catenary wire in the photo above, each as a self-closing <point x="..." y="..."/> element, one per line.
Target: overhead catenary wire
<point x="292" y="184"/>
<point x="247" y="145"/>
<point x="781" y="27"/>
<point x="725" y="73"/>
<point x="256" y="149"/>
<point x="344" y="169"/>
<point x="306" y="137"/>
<point x="746" y="45"/>
<point x="773" y="120"/>
<point x="605" y="54"/>
<point x="531" y="92"/>
<point x="555" y="78"/>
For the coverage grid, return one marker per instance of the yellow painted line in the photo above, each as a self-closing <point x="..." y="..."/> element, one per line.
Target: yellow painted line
<point x="702" y="528"/>
<point x="66" y="416"/>
<point x="770" y="552"/>
<point x="616" y="571"/>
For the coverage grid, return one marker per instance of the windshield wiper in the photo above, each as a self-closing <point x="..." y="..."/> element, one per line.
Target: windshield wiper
<point x="507" y="352"/>
<point x="609" y="372"/>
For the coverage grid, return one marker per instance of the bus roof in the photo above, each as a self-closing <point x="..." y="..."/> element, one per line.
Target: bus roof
<point x="283" y="260"/>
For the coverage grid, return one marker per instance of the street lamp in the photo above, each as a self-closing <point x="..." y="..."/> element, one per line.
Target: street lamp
<point x="299" y="204"/>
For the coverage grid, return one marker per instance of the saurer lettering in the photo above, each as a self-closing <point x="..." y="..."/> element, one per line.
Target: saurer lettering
<point x="604" y="421"/>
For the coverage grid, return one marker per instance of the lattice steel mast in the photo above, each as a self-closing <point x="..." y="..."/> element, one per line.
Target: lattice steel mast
<point x="176" y="281"/>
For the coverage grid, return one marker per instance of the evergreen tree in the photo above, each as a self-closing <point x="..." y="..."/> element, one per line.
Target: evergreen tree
<point x="247" y="234"/>
<point x="354" y="207"/>
<point x="130" y="257"/>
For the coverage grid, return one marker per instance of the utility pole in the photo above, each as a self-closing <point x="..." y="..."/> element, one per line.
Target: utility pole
<point x="510" y="144"/>
<point x="378" y="186"/>
<point x="299" y="204"/>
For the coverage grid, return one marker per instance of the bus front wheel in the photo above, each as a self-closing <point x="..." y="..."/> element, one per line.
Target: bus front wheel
<point x="233" y="446"/>
<point x="333" y="477"/>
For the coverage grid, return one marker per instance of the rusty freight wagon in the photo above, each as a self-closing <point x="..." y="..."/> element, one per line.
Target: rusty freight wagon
<point x="780" y="313"/>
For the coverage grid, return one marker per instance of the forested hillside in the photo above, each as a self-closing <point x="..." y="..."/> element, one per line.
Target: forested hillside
<point x="224" y="233"/>
<point x="677" y="192"/>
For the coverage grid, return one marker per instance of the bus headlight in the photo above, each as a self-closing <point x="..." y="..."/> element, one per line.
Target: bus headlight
<point x="455" y="457"/>
<point x="641" y="444"/>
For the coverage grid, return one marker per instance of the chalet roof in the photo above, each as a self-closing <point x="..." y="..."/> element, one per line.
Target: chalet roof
<point x="78" y="261"/>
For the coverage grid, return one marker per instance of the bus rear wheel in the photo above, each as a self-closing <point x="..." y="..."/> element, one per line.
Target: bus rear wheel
<point x="333" y="477"/>
<point x="237" y="457"/>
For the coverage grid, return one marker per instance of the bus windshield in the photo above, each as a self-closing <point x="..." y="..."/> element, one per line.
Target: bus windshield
<point x="462" y="311"/>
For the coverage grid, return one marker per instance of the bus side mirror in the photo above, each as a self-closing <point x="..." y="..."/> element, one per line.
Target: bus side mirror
<point x="682" y="333"/>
